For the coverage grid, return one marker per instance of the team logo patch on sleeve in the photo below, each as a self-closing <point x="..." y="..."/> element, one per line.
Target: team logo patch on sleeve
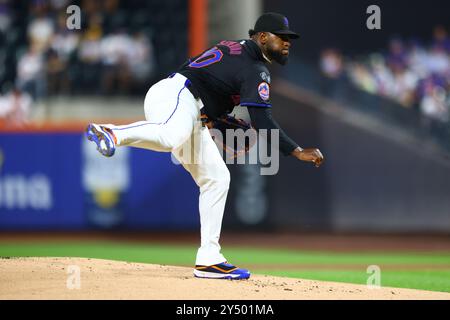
<point x="263" y="90"/>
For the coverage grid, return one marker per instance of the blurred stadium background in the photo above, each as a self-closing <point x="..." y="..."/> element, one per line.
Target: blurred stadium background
<point x="376" y="102"/>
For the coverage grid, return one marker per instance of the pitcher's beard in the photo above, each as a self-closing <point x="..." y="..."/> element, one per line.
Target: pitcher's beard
<point x="278" y="56"/>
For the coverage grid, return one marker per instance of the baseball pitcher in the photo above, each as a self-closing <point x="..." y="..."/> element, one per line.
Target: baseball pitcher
<point x="205" y="90"/>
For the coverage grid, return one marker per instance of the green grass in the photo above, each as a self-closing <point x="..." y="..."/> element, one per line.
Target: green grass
<point x="434" y="280"/>
<point x="353" y="269"/>
<point x="249" y="255"/>
<point x="161" y="254"/>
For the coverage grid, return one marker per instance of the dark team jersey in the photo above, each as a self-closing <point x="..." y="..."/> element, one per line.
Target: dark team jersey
<point x="234" y="73"/>
<point x="229" y="74"/>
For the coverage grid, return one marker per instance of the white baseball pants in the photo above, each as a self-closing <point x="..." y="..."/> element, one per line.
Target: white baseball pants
<point x="173" y="125"/>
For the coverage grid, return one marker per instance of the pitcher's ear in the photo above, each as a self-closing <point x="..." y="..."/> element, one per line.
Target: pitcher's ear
<point x="263" y="37"/>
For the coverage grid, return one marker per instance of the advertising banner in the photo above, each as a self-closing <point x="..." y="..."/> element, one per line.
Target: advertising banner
<point x="59" y="181"/>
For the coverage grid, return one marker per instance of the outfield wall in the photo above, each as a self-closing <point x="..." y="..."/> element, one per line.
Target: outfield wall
<point x="57" y="180"/>
<point x="369" y="181"/>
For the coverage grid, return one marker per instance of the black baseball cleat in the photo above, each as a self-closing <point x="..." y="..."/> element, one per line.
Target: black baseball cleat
<point x="222" y="270"/>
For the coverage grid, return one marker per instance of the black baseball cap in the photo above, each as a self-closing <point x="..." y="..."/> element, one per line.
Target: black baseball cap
<point x="275" y="23"/>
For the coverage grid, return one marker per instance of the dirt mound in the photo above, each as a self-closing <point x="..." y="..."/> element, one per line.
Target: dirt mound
<point x="80" y="278"/>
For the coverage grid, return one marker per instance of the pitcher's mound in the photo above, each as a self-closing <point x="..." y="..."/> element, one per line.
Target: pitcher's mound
<point x="80" y="278"/>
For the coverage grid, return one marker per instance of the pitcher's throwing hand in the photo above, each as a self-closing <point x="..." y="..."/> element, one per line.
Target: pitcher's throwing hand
<point x="310" y="155"/>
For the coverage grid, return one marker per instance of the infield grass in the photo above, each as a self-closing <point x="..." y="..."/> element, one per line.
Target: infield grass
<point x="403" y="270"/>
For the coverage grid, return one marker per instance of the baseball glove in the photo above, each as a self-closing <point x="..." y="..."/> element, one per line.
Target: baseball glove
<point x="241" y="141"/>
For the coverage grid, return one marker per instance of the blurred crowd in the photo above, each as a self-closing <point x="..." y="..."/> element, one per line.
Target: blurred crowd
<point x="112" y="52"/>
<point x="414" y="74"/>
<point x="15" y="108"/>
<point x="101" y="54"/>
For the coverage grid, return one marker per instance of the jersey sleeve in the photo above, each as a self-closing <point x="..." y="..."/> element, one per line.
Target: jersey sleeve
<point x="262" y="119"/>
<point x="255" y="88"/>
